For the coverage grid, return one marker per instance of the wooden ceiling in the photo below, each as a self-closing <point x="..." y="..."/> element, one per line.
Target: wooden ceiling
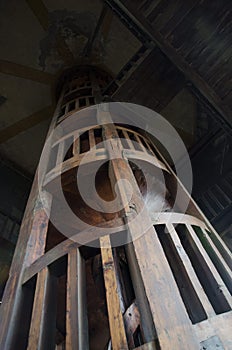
<point x="196" y="37"/>
<point x="183" y="46"/>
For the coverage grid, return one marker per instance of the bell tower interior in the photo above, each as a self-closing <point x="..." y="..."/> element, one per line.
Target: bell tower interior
<point x="136" y="274"/>
<point x="115" y="175"/>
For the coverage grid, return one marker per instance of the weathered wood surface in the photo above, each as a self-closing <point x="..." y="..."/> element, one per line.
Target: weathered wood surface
<point x="147" y="346"/>
<point x="219" y="325"/>
<point x="43" y="320"/>
<point x="76" y="309"/>
<point x="175" y="331"/>
<point x="117" y="329"/>
<point x="190" y="271"/>
<point x="83" y="237"/>
<point x="194" y="57"/>
<point x="224" y="299"/>
<point x="24" y="255"/>
<point x="217" y="258"/>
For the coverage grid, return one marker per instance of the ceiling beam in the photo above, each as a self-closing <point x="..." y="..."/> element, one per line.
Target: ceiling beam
<point x="25" y="123"/>
<point x="41" y="13"/>
<point x="105" y="29"/>
<point x="129" y="14"/>
<point x="26" y="72"/>
<point x="100" y="23"/>
<point x="129" y="68"/>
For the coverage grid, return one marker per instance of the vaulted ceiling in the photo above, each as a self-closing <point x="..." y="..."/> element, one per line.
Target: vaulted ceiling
<point x="173" y="56"/>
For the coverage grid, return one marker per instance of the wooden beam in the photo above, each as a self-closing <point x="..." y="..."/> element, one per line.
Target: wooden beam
<point x="129" y="11"/>
<point x="76" y="313"/>
<point x="25" y="72"/>
<point x="89" y="45"/>
<point x="23" y="253"/>
<point x="43" y="321"/>
<point x="117" y="330"/>
<point x="40" y="11"/>
<point x="26" y="123"/>
<point x="185" y="261"/>
<point x="173" y="332"/>
<point x="105" y="28"/>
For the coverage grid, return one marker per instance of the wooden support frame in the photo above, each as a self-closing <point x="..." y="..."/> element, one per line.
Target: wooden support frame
<point x="126" y="9"/>
<point x="76" y="312"/>
<point x="210" y="266"/>
<point x="175" y="332"/>
<point x="23" y="257"/>
<point x="190" y="271"/>
<point x="43" y="321"/>
<point x="117" y="329"/>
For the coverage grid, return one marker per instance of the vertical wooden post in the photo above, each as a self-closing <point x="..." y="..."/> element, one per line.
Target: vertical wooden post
<point x="117" y="330"/>
<point x="76" y="309"/>
<point x="171" y="320"/>
<point x="43" y="321"/>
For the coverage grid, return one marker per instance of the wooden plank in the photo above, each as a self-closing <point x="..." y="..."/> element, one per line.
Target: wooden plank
<point x="63" y="248"/>
<point x="140" y="143"/>
<point x="60" y="154"/>
<point x="148" y="6"/>
<point x="128" y="9"/>
<point x="217" y="259"/>
<point x="76" y="309"/>
<point x="23" y="253"/>
<point x="106" y="24"/>
<point x="190" y="271"/>
<point x="43" y="320"/>
<point x="39" y="229"/>
<point x="92" y="143"/>
<point x="25" y="123"/>
<point x="76" y="144"/>
<point x="210" y="266"/>
<point x="145" y="78"/>
<point x="218" y="241"/>
<point x="178" y="15"/>
<point x="90" y="43"/>
<point x="148" y="346"/>
<point x="173" y="332"/>
<point x="117" y="330"/>
<point x="178" y="218"/>
<point x="165" y="299"/>
<point x="146" y="319"/>
<point x="219" y="325"/>
<point x="149" y="147"/>
<point x="128" y="140"/>
<point x="130" y="154"/>
<point x="221" y="247"/>
<point x="25" y="72"/>
<point x="167" y="10"/>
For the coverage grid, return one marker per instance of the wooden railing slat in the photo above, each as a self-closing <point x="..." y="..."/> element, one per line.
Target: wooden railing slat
<point x="91" y="139"/>
<point x="117" y="330"/>
<point x="191" y="273"/>
<point x="76" y="144"/>
<point x="60" y="153"/>
<point x="210" y="265"/>
<point x="43" y="321"/>
<point x="128" y="140"/>
<point x="76" y="310"/>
